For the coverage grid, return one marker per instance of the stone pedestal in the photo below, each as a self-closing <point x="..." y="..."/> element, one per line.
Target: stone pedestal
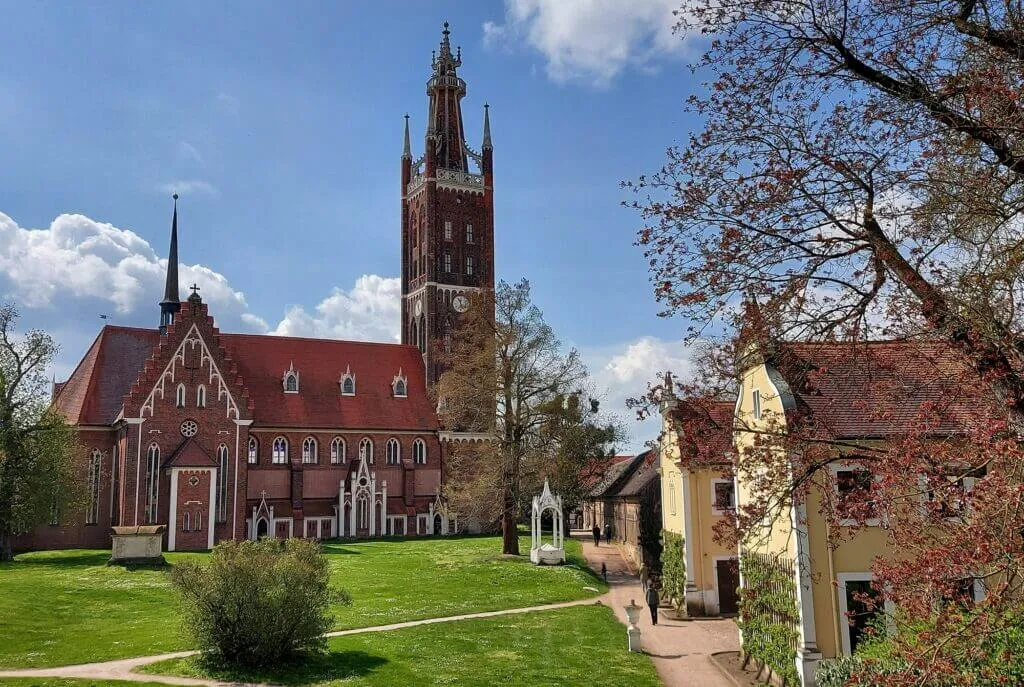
<point x="138" y="545"/>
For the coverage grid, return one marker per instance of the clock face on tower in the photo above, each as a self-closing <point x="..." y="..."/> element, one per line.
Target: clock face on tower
<point x="460" y="303"/>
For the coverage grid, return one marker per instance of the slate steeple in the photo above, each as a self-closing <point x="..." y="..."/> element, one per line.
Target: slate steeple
<point x="171" y="304"/>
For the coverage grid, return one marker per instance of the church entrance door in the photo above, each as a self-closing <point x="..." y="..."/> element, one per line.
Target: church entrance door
<point x="261" y="528"/>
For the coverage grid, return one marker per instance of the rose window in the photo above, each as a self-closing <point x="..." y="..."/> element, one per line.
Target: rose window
<point x="189" y="428"/>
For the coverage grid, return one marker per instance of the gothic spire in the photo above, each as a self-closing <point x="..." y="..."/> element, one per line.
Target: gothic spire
<point x="407" y="149"/>
<point x="171" y="303"/>
<point x="487" y="128"/>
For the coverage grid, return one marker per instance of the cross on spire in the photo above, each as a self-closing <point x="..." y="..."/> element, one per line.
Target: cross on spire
<point x="194" y="298"/>
<point x="195" y="288"/>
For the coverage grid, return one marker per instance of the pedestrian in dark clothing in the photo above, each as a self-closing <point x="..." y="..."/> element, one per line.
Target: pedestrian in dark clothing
<point x="608" y="533"/>
<point x="653" y="599"/>
<point x="597" y="535"/>
<point x="604" y="571"/>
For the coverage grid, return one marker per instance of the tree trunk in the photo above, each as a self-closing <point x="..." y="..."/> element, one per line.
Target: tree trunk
<point x="509" y="528"/>
<point x="6" y="547"/>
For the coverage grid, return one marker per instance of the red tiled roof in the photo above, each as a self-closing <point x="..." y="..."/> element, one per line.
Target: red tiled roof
<point x="94" y="392"/>
<point x="876" y="389"/>
<point x="262" y="361"/>
<point x="708" y="425"/>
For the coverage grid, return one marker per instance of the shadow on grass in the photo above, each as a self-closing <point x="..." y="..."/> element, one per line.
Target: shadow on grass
<point x="71" y="560"/>
<point x="335" y="665"/>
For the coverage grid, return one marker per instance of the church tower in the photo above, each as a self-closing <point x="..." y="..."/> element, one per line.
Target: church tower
<point x="447" y="215"/>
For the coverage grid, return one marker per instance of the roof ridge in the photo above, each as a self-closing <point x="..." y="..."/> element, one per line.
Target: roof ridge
<point x="317" y="338"/>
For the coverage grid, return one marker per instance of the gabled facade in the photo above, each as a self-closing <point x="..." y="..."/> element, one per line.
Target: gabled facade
<point x="862" y="394"/>
<point x="694" y="500"/>
<point x="626" y="505"/>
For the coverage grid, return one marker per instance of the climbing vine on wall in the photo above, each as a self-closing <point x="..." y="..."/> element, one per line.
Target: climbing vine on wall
<point x="673" y="568"/>
<point x="768" y="613"/>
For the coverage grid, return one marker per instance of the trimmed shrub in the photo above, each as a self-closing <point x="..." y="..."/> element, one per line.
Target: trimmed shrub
<point x="836" y="672"/>
<point x="768" y="613"/>
<point x="257" y="603"/>
<point x="673" y="568"/>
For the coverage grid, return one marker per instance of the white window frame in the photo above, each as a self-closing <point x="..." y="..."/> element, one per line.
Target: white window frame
<point x="835" y="469"/>
<point x="844" y="622"/>
<point x="447" y="230"/>
<point x="447" y="263"/>
<point x="291" y="377"/>
<point x="469" y="233"/>
<point x="253" y="455"/>
<point x="469" y="265"/>
<point x="222" y="483"/>
<point x="310" y="451"/>
<point x="348" y="379"/>
<point x="152" y="482"/>
<point x="200" y="396"/>
<point x="419" y="452"/>
<point x="393" y="451"/>
<point x="338" y="448"/>
<point x="968" y="481"/>
<point x="275" y="459"/>
<point x="401" y="389"/>
<point x="179" y="397"/>
<point x="731" y="483"/>
<point x="756" y="400"/>
<point x="366" y="450"/>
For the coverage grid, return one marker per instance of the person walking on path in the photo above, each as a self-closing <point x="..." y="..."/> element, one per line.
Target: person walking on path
<point x="604" y="571"/>
<point x="597" y="535"/>
<point x="653" y="600"/>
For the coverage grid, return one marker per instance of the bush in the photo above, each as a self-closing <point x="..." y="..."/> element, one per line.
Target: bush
<point x="836" y="672"/>
<point x="673" y="568"/>
<point x="257" y="603"/>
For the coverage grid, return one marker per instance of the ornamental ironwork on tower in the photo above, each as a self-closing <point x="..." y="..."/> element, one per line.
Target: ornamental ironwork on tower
<point x="447" y="214"/>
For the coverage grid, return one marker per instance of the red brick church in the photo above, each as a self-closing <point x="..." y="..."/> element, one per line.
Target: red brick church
<point x="220" y="436"/>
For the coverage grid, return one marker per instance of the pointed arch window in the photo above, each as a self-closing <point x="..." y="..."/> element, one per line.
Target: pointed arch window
<point x="366" y="450"/>
<point x="222" y="483"/>
<point x="399" y="385"/>
<point x="152" y="483"/>
<point x="185" y="522"/>
<point x="309" y="450"/>
<point x="180" y="399"/>
<point x="394" y="451"/>
<point x="115" y="484"/>
<point x="419" y="452"/>
<point x="92" y="515"/>
<point x="338" y="451"/>
<point x="290" y="380"/>
<point x="279" y="454"/>
<point x="254" y="451"/>
<point x="400" y="388"/>
<point x="201" y="396"/>
<point x="348" y="382"/>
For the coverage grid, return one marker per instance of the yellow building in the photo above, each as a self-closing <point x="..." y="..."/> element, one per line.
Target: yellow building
<point x="859" y="396"/>
<point x="695" y="499"/>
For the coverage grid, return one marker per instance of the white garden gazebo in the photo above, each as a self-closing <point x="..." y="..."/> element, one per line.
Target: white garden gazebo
<point x="553" y="553"/>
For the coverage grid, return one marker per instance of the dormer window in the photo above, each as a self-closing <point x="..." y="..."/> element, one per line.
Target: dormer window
<point x="291" y="380"/>
<point x="348" y="382"/>
<point x="399" y="385"/>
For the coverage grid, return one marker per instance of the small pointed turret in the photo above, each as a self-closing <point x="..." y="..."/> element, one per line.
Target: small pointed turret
<point x="171" y="304"/>
<point x="407" y="148"/>
<point x="487" y="128"/>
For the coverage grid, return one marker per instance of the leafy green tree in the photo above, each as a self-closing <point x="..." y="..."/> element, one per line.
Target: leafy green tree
<point x="38" y="476"/>
<point x="257" y="603"/>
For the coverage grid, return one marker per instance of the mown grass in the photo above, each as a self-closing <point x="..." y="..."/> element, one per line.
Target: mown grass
<point x="582" y="645"/>
<point x="61" y="607"/>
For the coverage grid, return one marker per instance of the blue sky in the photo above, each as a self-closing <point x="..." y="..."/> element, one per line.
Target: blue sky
<point x="280" y="125"/>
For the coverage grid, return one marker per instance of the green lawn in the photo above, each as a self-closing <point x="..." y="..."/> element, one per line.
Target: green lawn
<point x="60" y="607"/>
<point x="582" y="645"/>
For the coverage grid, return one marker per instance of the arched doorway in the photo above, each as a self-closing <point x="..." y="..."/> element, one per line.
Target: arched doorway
<point x="437" y="523"/>
<point x="262" y="526"/>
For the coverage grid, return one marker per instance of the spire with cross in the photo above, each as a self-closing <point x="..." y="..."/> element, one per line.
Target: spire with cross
<point x="194" y="298"/>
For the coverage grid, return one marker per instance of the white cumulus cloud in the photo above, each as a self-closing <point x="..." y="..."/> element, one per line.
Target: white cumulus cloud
<point x="624" y="371"/>
<point x="370" y="311"/>
<point x="590" y="40"/>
